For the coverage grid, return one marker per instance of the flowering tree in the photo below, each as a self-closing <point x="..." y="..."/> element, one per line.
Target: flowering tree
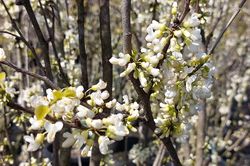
<point x="60" y="86"/>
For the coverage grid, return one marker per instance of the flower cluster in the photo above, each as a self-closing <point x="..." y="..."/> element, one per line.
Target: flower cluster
<point x="67" y="105"/>
<point x="185" y="77"/>
<point x="145" y="65"/>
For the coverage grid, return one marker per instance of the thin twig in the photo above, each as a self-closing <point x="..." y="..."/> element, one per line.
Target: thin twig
<point x="220" y="36"/>
<point x="41" y="39"/>
<point x="226" y="27"/>
<point x="52" y="40"/>
<point x="22" y="38"/>
<point x="43" y="78"/>
<point x="81" y="36"/>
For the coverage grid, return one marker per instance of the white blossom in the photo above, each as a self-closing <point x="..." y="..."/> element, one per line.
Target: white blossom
<point x="104" y="142"/>
<point x="2" y="55"/>
<point x="52" y="129"/>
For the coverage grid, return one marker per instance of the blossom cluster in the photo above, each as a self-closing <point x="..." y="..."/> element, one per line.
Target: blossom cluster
<point x="68" y="105"/>
<point x="185" y="87"/>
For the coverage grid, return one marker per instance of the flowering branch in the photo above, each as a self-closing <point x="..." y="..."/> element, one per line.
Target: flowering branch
<point x="30" y="111"/>
<point x="144" y="97"/>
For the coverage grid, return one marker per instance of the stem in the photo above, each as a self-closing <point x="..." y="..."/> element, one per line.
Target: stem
<point x="105" y="35"/>
<point x="227" y="26"/>
<point x="160" y="155"/>
<point x="43" y="78"/>
<point x="83" y="55"/>
<point x="51" y="36"/>
<point x="22" y="38"/>
<point x="43" y="43"/>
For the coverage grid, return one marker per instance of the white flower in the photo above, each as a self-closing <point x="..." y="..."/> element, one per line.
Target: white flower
<point x="79" y="92"/>
<point x="129" y="69"/>
<point x="189" y="82"/>
<point x="36" y="124"/>
<point x="122" y="61"/>
<point x="119" y="129"/>
<point x="113" y="119"/>
<point x="150" y="36"/>
<point x="142" y="79"/>
<point x="84" y="112"/>
<point x="177" y="55"/>
<point x="69" y="141"/>
<point x="65" y="105"/>
<point x="99" y="86"/>
<point x="119" y="107"/>
<point x="202" y="92"/>
<point x="114" y="61"/>
<point x="2" y="55"/>
<point x="170" y="93"/>
<point x="178" y="33"/>
<point x="98" y="97"/>
<point x="34" y="144"/>
<point x="111" y="103"/>
<point x="196" y="34"/>
<point x="96" y="123"/>
<point x="154" y="71"/>
<point x="80" y="140"/>
<point x="104" y="142"/>
<point x="145" y="65"/>
<point x="50" y="95"/>
<point x="52" y="129"/>
<point x="105" y="95"/>
<point x="38" y="101"/>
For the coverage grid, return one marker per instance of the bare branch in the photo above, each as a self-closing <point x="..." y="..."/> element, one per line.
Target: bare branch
<point x="22" y="38"/>
<point x="42" y="41"/>
<point x="43" y="78"/>
<point x="226" y="26"/>
<point x="64" y="75"/>
<point x="83" y="55"/>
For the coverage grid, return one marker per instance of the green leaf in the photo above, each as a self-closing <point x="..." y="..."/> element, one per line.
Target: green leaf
<point x="41" y="112"/>
<point x="69" y="93"/>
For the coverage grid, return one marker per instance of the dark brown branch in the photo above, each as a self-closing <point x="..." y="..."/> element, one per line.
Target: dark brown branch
<point x="42" y="41"/>
<point x="185" y="11"/>
<point x="105" y="35"/>
<point x="52" y="40"/>
<point x="43" y="78"/>
<point x="22" y="38"/>
<point x="82" y="55"/>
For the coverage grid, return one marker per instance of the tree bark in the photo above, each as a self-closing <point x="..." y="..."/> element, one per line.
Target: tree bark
<point x="105" y="35"/>
<point x="82" y="55"/>
<point x="41" y="39"/>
